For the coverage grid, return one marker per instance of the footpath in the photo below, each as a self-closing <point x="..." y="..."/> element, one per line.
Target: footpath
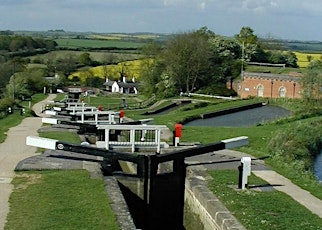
<point x="13" y="150"/>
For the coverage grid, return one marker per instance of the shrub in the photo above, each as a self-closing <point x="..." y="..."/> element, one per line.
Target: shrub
<point x="298" y="145"/>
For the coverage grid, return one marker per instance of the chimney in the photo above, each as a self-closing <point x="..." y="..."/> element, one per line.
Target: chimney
<point x="124" y="79"/>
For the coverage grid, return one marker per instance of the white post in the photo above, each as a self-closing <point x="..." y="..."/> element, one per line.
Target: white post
<point x="132" y="139"/>
<point x="176" y="141"/>
<point x="157" y="139"/>
<point x="246" y="170"/>
<point x="143" y="132"/>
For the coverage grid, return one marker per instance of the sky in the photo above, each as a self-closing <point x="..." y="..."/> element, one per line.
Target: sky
<point x="280" y="19"/>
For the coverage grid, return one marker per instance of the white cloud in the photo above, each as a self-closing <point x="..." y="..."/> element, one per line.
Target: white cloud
<point x="202" y="5"/>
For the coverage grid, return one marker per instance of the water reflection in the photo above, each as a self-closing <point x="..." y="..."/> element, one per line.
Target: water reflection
<point x="318" y="167"/>
<point x="244" y="118"/>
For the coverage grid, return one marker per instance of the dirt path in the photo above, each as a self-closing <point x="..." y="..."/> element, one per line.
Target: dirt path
<point x="13" y="150"/>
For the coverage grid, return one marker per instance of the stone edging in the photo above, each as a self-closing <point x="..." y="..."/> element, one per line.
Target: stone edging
<point x="211" y="211"/>
<point x="118" y="203"/>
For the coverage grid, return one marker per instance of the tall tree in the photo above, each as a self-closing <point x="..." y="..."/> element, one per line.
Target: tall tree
<point x="107" y="59"/>
<point x="187" y="57"/>
<point x="249" y="42"/>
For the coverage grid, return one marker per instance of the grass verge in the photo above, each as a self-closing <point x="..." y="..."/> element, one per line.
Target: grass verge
<point x="261" y="210"/>
<point x="59" y="200"/>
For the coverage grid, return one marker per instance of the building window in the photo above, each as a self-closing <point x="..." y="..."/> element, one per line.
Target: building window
<point x="282" y="92"/>
<point x="260" y="90"/>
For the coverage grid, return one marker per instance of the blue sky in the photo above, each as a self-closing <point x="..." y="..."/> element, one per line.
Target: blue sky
<point x="286" y="19"/>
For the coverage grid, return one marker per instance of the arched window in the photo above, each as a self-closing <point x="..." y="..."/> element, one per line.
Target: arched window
<point x="260" y="90"/>
<point x="282" y="91"/>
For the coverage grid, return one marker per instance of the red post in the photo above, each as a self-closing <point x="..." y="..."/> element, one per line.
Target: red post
<point x="100" y="108"/>
<point x="177" y="134"/>
<point x="122" y="113"/>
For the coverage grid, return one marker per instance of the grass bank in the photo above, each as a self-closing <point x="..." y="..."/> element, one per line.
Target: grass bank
<point x="59" y="200"/>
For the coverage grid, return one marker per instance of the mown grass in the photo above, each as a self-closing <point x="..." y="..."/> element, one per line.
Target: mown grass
<point x="71" y="137"/>
<point x="261" y="210"/>
<point x="59" y="200"/>
<point x="273" y="70"/>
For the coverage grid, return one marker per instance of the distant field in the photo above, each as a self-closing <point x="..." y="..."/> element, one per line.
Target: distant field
<point x="119" y="36"/>
<point x="302" y="58"/>
<point x="132" y="69"/>
<point x="93" y="43"/>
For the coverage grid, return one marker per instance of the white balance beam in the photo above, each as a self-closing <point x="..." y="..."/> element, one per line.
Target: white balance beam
<point x="47" y="120"/>
<point x="41" y="142"/>
<point x="50" y="112"/>
<point x="235" y="142"/>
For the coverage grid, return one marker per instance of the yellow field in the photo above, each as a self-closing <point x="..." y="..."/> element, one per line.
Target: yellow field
<point x="131" y="69"/>
<point x="302" y="58"/>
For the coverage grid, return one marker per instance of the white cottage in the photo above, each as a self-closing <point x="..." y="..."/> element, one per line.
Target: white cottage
<point x="121" y="86"/>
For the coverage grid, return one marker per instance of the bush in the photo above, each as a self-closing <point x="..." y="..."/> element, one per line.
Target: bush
<point x="298" y="145"/>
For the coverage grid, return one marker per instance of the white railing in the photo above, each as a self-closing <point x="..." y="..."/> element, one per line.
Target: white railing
<point x="94" y="117"/>
<point x="133" y="136"/>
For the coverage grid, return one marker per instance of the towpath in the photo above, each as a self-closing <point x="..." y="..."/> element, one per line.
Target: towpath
<point x="13" y="150"/>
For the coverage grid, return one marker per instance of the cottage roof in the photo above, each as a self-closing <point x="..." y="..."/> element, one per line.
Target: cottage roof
<point x="109" y="83"/>
<point x="127" y="84"/>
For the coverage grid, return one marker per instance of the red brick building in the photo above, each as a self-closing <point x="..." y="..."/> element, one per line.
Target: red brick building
<point x="268" y="85"/>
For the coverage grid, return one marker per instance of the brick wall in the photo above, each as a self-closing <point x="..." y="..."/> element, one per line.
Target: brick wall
<point x="268" y="85"/>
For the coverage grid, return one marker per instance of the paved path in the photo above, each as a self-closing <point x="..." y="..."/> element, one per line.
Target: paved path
<point x="13" y="150"/>
<point x="230" y="159"/>
<point x="283" y="184"/>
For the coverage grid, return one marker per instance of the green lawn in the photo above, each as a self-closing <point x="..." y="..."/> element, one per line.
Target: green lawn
<point x="59" y="200"/>
<point x="261" y="210"/>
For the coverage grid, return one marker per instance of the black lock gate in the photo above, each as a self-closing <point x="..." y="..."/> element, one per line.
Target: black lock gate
<point x="158" y="197"/>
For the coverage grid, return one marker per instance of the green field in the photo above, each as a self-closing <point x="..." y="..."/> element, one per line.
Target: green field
<point x="94" y="44"/>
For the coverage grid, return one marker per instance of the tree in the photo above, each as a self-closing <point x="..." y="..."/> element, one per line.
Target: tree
<point x="311" y="83"/>
<point x="186" y="57"/>
<point x="85" y="59"/>
<point x="107" y="60"/>
<point x="249" y="42"/>
<point x="66" y="65"/>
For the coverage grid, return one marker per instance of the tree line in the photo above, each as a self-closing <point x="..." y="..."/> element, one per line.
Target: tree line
<point x="9" y="43"/>
<point x="201" y="61"/>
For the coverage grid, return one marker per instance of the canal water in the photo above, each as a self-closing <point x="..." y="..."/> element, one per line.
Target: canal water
<point x="245" y="118"/>
<point x="318" y="167"/>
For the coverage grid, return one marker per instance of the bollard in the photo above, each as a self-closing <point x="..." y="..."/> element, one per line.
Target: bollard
<point x="100" y="108"/>
<point x="122" y="113"/>
<point x="177" y="134"/>
<point x="143" y="133"/>
<point x="244" y="172"/>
